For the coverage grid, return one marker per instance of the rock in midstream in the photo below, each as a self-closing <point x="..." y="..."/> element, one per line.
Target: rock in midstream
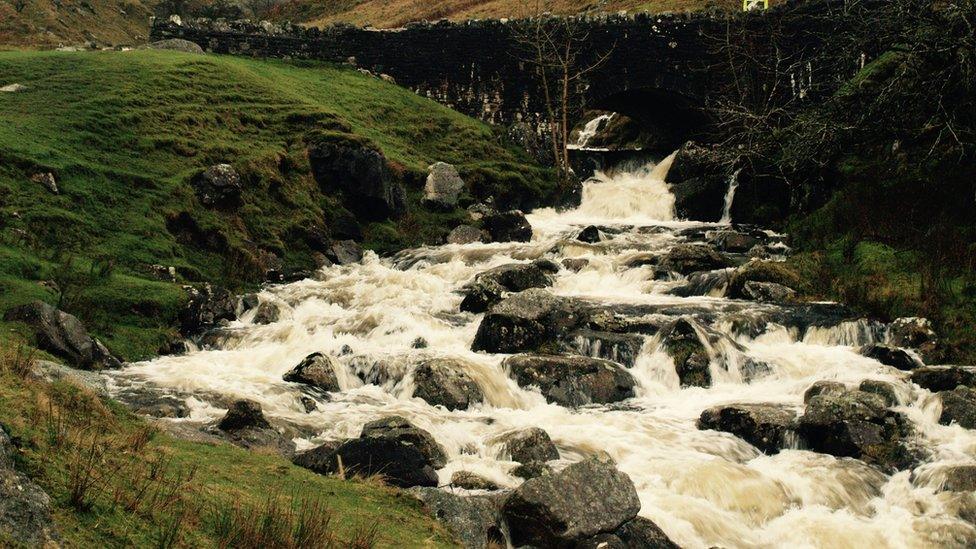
<point x="444" y="382"/>
<point x="766" y="426"/>
<point x="572" y="380"/>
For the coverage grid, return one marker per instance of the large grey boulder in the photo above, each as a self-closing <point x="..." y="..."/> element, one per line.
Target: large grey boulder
<point x="218" y="186"/>
<point x="316" y="370"/>
<point x="176" y="44"/>
<point x="392" y="447"/>
<point x="857" y="424"/>
<point x="688" y="258"/>
<point x="511" y="226"/>
<point x="474" y="520"/>
<point x="527" y="320"/>
<point x="686" y="347"/>
<point x="765" y="426"/>
<point x="64" y="336"/>
<point x="891" y="356"/>
<point x="465" y="234"/>
<point x="531" y="445"/>
<point x="944" y="378"/>
<point x="443" y="187"/>
<point x="620" y="348"/>
<point x="444" y="382"/>
<point x="586" y="499"/>
<point x="489" y="287"/>
<point x="572" y="380"/>
<point x="767" y="292"/>
<point x="25" y="509"/>
<point x="360" y="174"/>
<point x="959" y="407"/>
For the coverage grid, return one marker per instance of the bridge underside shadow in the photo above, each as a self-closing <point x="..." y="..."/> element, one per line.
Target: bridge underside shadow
<point x="670" y="118"/>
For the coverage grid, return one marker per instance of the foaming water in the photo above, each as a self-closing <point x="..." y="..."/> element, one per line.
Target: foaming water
<point x="703" y="488"/>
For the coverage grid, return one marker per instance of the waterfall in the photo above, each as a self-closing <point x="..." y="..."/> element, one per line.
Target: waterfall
<point x="591" y="129"/>
<point x="729" y="197"/>
<point x="703" y="488"/>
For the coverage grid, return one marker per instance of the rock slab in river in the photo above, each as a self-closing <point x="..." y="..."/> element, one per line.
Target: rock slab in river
<point x="526" y="321"/>
<point x="682" y="342"/>
<point x="944" y="378"/>
<point x="959" y="407"/>
<point x="490" y="286"/>
<point x="531" y="445"/>
<point x="891" y="356"/>
<point x="444" y="382"/>
<point x="316" y="370"/>
<point x="765" y="426"/>
<point x="586" y="499"/>
<point x="64" y="336"/>
<point x="572" y="380"/>
<point x="510" y="226"/>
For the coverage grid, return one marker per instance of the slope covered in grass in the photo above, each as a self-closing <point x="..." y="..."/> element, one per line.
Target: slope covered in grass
<point x="125" y="132"/>
<point x="115" y="481"/>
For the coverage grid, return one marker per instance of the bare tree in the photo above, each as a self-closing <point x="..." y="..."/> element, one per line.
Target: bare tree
<point x="556" y="48"/>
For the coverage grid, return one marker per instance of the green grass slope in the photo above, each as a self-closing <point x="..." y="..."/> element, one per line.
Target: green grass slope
<point x="124" y="132"/>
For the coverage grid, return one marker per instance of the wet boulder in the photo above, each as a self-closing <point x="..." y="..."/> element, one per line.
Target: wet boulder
<point x="218" y="186"/>
<point x="471" y="481"/>
<point x="401" y="430"/>
<point x="859" y="425"/>
<point x="316" y="370"/>
<point x="244" y="414"/>
<point x="765" y="426"/>
<point x="474" y="520"/>
<point x="319" y="459"/>
<point x="688" y="258"/>
<point x="443" y="187"/>
<point x="345" y="252"/>
<point x="682" y="342"/>
<point x="266" y="313"/>
<point x="699" y="179"/>
<point x="959" y="407"/>
<point x="767" y="292"/>
<point x="914" y="333"/>
<point x="532" y="470"/>
<point x="575" y="264"/>
<point x="761" y="271"/>
<point x="642" y="533"/>
<point x="572" y="380"/>
<point x="526" y="321"/>
<point x="733" y="241"/>
<point x="510" y="226"/>
<point x="944" y="378"/>
<point x="547" y="265"/>
<point x="590" y="235"/>
<point x="63" y="336"/>
<point x="245" y="425"/>
<point x="465" y="234"/>
<point x="823" y="387"/>
<point x="586" y="499"/>
<point x="209" y="307"/>
<point x="703" y="283"/>
<point x="959" y="478"/>
<point x="490" y="286"/>
<point x="360" y="173"/>
<point x="887" y="391"/>
<point x="531" y="445"/>
<point x="891" y="356"/>
<point x="444" y="382"/>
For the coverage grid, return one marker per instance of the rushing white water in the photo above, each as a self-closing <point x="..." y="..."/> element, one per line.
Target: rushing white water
<point x="730" y="197"/>
<point x="703" y="488"/>
<point x="591" y="129"/>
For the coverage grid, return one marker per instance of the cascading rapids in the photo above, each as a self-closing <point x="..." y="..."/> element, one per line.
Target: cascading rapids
<point x="703" y="488"/>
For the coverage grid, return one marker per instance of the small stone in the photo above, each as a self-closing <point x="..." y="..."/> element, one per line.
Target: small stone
<point x="443" y="186"/>
<point x="590" y="235"/>
<point x="13" y="88"/>
<point x="47" y="180"/>
<point x="531" y="445"/>
<point x="471" y="481"/>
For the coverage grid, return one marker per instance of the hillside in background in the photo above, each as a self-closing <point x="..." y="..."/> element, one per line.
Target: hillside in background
<point x="53" y="23"/>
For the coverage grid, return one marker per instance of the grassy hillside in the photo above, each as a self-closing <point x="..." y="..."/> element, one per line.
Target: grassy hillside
<point x="115" y="481"/>
<point x="124" y="132"/>
<point x="51" y="23"/>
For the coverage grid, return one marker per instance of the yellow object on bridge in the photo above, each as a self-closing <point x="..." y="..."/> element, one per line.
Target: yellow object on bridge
<point x="749" y="5"/>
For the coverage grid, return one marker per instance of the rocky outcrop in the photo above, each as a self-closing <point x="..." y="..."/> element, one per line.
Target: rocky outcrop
<point x="474" y="520"/>
<point x="511" y="226"/>
<point x="771" y="272"/>
<point x="531" y="445"/>
<point x="359" y="173"/>
<point x="887" y="391"/>
<point x="765" y="426"/>
<point x="176" y="44"/>
<point x="859" y="425"/>
<point x="733" y="241"/>
<point x="620" y="348"/>
<point x="767" y="292"/>
<point x="686" y="348"/>
<point x="46" y="180"/>
<point x="526" y="321"/>
<point x="465" y="234"/>
<point x="218" y="186"/>
<point x="583" y="500"/>
<point x="392" y="447"/>
<point x="699" y="179"/>
<point x="245" y="425"/>
<point x="572" y="380"/>
<point x="443" y="187"/>
<point x="209" y="307"/>
<point x="64" y="336"/>
<point x="344" y="252"/>
<point x="944" y="378"/>
<point x="25" y="509"/>
<point x="959" y="407"/>
<point x="317" y="370"/>
<point x="891" y="356"/>
<point x="489" y="287"/>
<point x="444" y="382"/>
<point x="914" y="333"/>
<point x="688" y="258"/>
<point x="823" y="387"/>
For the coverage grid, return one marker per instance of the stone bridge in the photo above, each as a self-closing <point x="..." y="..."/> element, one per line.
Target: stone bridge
<point x="658" y="69"/>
